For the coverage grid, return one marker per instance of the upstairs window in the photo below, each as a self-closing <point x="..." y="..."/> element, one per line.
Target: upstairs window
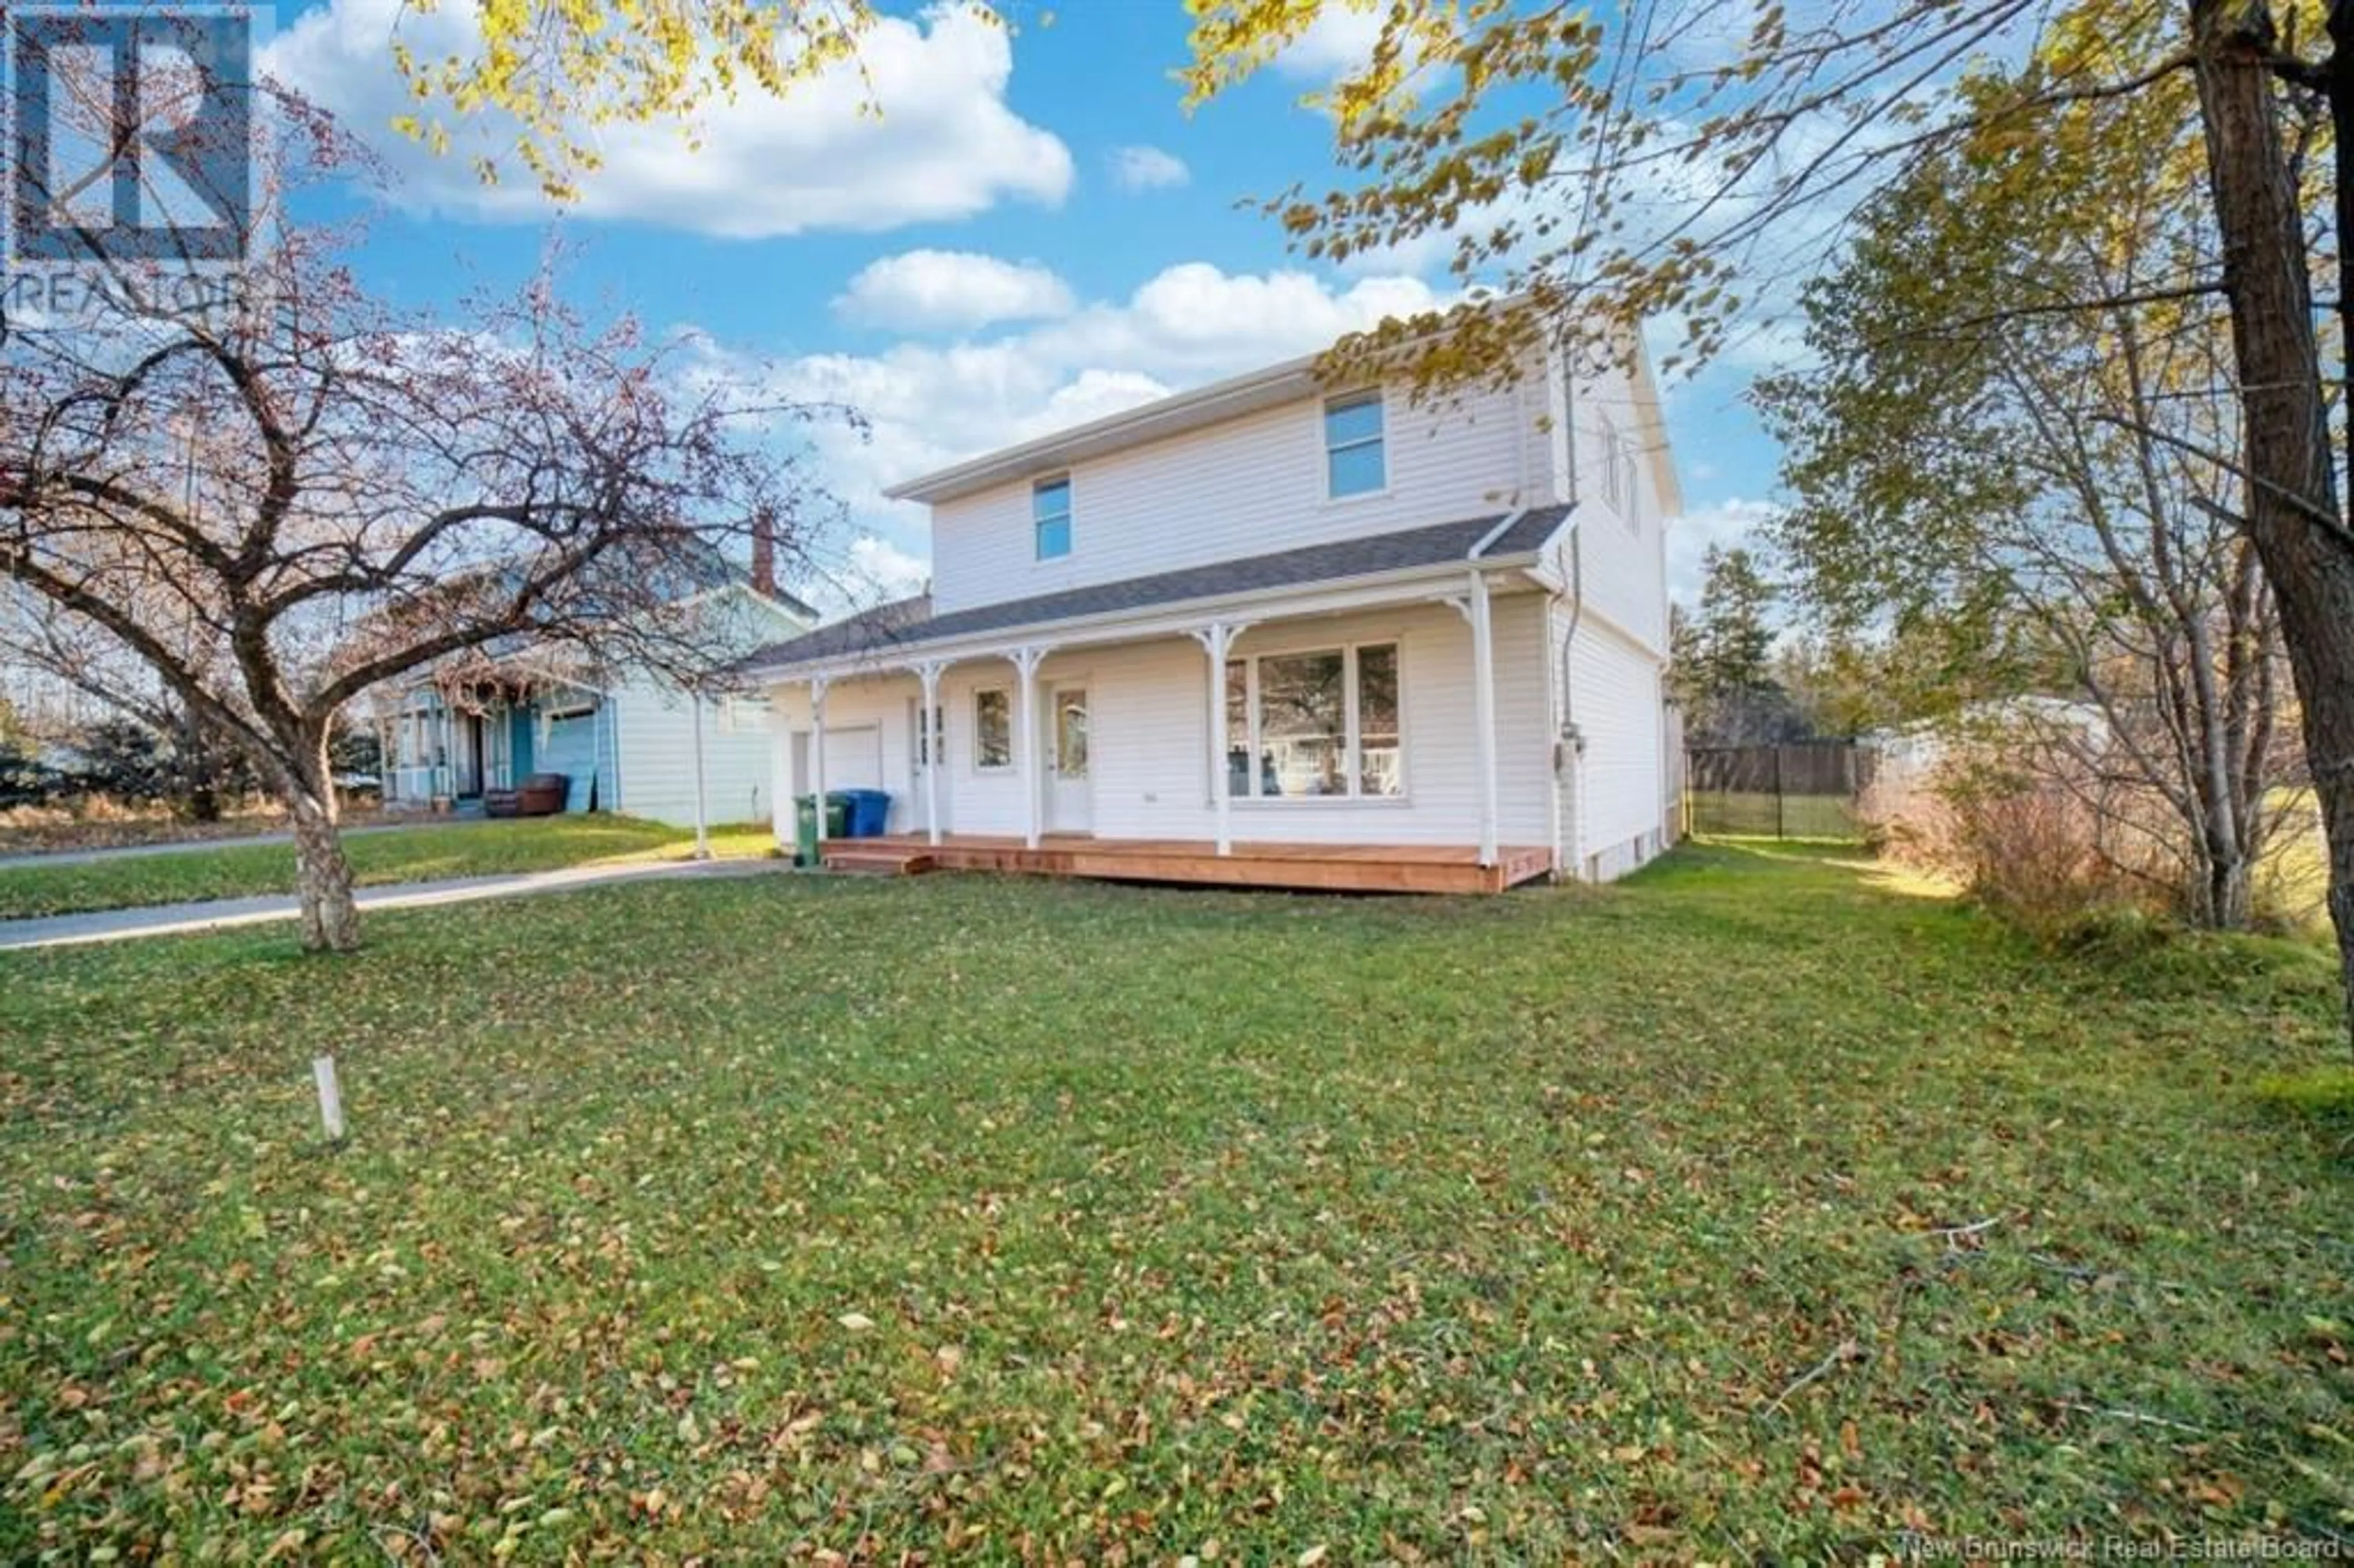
<point x="1050" y="516"/>
<point x="1354" y="463"/>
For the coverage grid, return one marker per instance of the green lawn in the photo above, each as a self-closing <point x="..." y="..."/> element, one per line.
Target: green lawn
<point x="421" y="853"/>
<point x="1751" y="1211"/>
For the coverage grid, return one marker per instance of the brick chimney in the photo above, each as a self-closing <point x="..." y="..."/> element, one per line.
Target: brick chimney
<point x="764" y="552"/>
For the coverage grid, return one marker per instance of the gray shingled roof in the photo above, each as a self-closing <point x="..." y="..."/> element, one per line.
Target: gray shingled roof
<point x="908" y="623"/>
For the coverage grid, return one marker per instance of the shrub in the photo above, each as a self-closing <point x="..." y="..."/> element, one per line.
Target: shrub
<point x="25" y="779"/>
<point x="196" y="772"/>
<point x="2037" y="853"/>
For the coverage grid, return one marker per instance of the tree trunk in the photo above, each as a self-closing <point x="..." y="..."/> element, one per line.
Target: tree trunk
<point x="323" y="877"/>
<point x="2230" y="893"/>
<point x="2293" y="519"/>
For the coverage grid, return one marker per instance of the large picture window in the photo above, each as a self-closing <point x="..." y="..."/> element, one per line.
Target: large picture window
<point x="1322" y="724"/>
<point x="993" y="729"/>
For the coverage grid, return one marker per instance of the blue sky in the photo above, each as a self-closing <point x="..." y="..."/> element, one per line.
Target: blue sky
<point x="1034" y="232"/>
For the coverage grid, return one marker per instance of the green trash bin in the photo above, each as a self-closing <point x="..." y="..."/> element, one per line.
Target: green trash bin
<point x="837" y="825"/>
<point x="805" y="830"/>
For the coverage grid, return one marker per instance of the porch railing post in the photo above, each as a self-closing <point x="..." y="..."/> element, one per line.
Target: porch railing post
<point x="1483" y="709"/>
<point x="781" y="778"/>
<point x="1218" y="640"/>
<point x="818" y="684"/>
<point x="1025" y="663"/>
<point x="928" y="730"/>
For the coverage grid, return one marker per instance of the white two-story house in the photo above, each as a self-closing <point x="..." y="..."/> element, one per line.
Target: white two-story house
<point x="1271" y="633"/>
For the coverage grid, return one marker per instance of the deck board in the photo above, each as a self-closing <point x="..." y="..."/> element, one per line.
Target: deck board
<point x="1274" y="863"/>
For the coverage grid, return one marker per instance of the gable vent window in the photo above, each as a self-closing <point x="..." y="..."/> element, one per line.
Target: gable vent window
<point x="1050" y="516"/>
<point x="1618" y="472"/>
<point x="1355" y="462"/>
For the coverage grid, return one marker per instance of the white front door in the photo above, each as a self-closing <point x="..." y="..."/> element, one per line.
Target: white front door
<point x="927" y="750"/>
<point x="1069" y="808"/>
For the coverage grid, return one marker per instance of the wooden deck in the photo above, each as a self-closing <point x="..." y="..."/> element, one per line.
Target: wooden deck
<point x="1327" y="868"/>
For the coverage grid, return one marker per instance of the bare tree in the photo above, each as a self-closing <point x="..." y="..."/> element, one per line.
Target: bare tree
<point x="2055" y="484"/>
<point x="258" y="507"/>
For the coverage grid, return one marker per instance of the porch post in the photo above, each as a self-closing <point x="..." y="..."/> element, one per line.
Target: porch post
<point x="1483" y="709"/>
<point x="701" y="809"/>
<point x="780" y="776"/>
<point x="1025" y="663"/>
<point x="818" y="684"/>
<point x="1217" y="640"/>
<point x="934" y="743"/>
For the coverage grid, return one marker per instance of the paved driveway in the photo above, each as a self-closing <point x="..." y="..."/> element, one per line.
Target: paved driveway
<point x="176" y="919"/>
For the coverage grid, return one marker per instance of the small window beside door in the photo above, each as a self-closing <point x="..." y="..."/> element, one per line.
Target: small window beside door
<point x="1050" y="516"/>
<point x="993" y="729"/>
<point x="1071" y="735"/>
<point x="1355" y="460"/>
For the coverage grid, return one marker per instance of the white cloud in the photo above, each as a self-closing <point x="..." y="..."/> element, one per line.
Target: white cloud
<point x="881" y="570"/>
<point x="1147" y="168"/>
<point x="1339" y="42"/>
<point x="917" y="290"/>
<point x="1192" y="322"/>
<point x="946" y="145"/>
<point x="1725" y="525"/>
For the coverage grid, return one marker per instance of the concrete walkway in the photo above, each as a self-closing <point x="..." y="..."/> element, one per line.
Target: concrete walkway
<point x="179" y="919"/>
<point x="191" y="846"/>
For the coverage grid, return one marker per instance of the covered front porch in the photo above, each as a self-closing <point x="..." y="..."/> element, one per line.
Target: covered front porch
<point x="1312" y="867"/>
<point x="447" y="748"/>
<point x="1379" y="742"/>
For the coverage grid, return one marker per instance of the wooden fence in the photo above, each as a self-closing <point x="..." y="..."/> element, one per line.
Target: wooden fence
<point x="1811" y="790"/>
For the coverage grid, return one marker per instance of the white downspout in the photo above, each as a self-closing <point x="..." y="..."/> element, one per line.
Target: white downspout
<point x="1570" y="765"/>
<point x="1572" y="740"/>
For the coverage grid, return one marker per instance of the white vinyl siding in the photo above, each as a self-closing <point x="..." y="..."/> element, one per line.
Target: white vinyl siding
<point x="1617" y="793"/>
<point x="655" y="741"/>
<point x="1249" y="486"/>
<point x="1624" y="563"/>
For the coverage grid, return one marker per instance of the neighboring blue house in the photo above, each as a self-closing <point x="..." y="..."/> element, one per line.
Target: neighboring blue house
<point x="625" y="741"/>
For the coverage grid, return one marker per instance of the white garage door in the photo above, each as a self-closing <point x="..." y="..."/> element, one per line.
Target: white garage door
<point x="853" y="759"/>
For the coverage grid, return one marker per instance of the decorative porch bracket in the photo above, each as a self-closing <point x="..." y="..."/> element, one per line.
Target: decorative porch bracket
<point x="1026" y="660"/>
<point x="1218" y="640"/>
<point x="1474" y="608"/>
<point x="931" y="733"/>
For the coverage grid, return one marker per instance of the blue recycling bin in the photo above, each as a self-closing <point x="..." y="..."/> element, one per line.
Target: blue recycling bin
<point x="869" y="812"/>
